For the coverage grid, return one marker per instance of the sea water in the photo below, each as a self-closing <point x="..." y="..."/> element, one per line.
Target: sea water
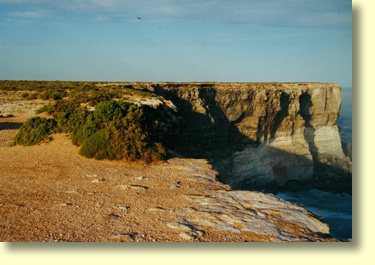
<point x="345" y="118"/>
<point x="335" y="209"/>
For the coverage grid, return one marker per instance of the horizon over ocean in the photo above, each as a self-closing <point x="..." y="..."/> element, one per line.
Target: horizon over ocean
<point x="335" y="209"/>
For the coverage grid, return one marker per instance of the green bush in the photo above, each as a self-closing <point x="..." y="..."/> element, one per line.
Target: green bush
<point x="84" y="129"/>
<point x="67" y="114"/>
<point x="92" y="95"/>
<point x="115" y="130"/>
<point x="34" y="130"/>
<point x="32" y="96"/>
<point x="29" y="96"/>
<point x="109" y="110"/>
<point x="53" y="94"/>
<point x="59" y="107"/>
<point x="96" y="145"/>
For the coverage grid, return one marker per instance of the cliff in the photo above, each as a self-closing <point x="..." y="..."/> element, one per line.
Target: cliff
<point x="263" y="136"/>
<point x="51" y="193"/>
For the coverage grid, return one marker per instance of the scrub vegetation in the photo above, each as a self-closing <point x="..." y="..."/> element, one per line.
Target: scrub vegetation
<point x="114" y="130"/>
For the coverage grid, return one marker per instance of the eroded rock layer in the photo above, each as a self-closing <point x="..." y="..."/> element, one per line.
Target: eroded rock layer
<point x="263" y="135"/>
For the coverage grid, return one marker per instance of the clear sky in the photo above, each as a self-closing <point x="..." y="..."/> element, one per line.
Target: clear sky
<point x="191" y="40"/>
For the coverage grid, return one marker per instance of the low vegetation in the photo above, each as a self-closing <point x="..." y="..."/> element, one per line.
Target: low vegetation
<point x="116" y="129"/>
<point x="34" y="130"/>
<point x="84" y="92"/>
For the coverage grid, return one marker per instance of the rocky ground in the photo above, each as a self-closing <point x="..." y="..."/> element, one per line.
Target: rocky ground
<point x="49" y="192"/>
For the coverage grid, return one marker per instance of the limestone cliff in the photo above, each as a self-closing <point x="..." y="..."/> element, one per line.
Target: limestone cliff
<point x="258" y="135"/>
<point x="263" y="136"/>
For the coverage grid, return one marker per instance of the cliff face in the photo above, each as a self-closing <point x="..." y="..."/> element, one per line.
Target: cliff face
<point x="263" y="136"/>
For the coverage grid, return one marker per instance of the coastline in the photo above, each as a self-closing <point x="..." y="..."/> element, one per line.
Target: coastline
<point x="271" y="211"/>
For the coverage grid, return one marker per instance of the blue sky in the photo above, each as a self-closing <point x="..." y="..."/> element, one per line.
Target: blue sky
<point x="195" y="40"/>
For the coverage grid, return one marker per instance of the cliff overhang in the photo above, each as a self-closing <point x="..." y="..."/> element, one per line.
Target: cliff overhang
<point x="262" y="136"/>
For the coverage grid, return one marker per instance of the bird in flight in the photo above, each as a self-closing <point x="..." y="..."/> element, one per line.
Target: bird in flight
<point x="139" y="18"/>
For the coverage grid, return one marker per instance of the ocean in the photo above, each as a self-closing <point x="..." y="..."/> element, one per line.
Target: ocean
<point x="335" y="209"/>
<point x="345" y="119"/>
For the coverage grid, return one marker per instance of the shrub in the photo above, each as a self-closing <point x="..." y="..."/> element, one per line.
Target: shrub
<point x="52" y="94"/>
<point x="56" y="95"/>
<point x="84" y="128"/>
<point x="34" y="130"/>
<point x="92" y="96"/>
<point x="96" y="145"/>
<point x="115" y="130"/>
<point x="29" y="96"/>
<point x="60" y="106"/>
<point x="67" y="114"/>
<point x="32" y="96"/>
<point x="108" y="111"/>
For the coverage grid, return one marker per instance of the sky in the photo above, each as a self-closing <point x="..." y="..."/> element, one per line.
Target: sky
<point x="180" y="41"/>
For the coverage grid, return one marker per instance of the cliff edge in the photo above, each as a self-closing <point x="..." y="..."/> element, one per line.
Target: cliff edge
<point x="263" y="136"/>
<point x="51" y="193"/>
